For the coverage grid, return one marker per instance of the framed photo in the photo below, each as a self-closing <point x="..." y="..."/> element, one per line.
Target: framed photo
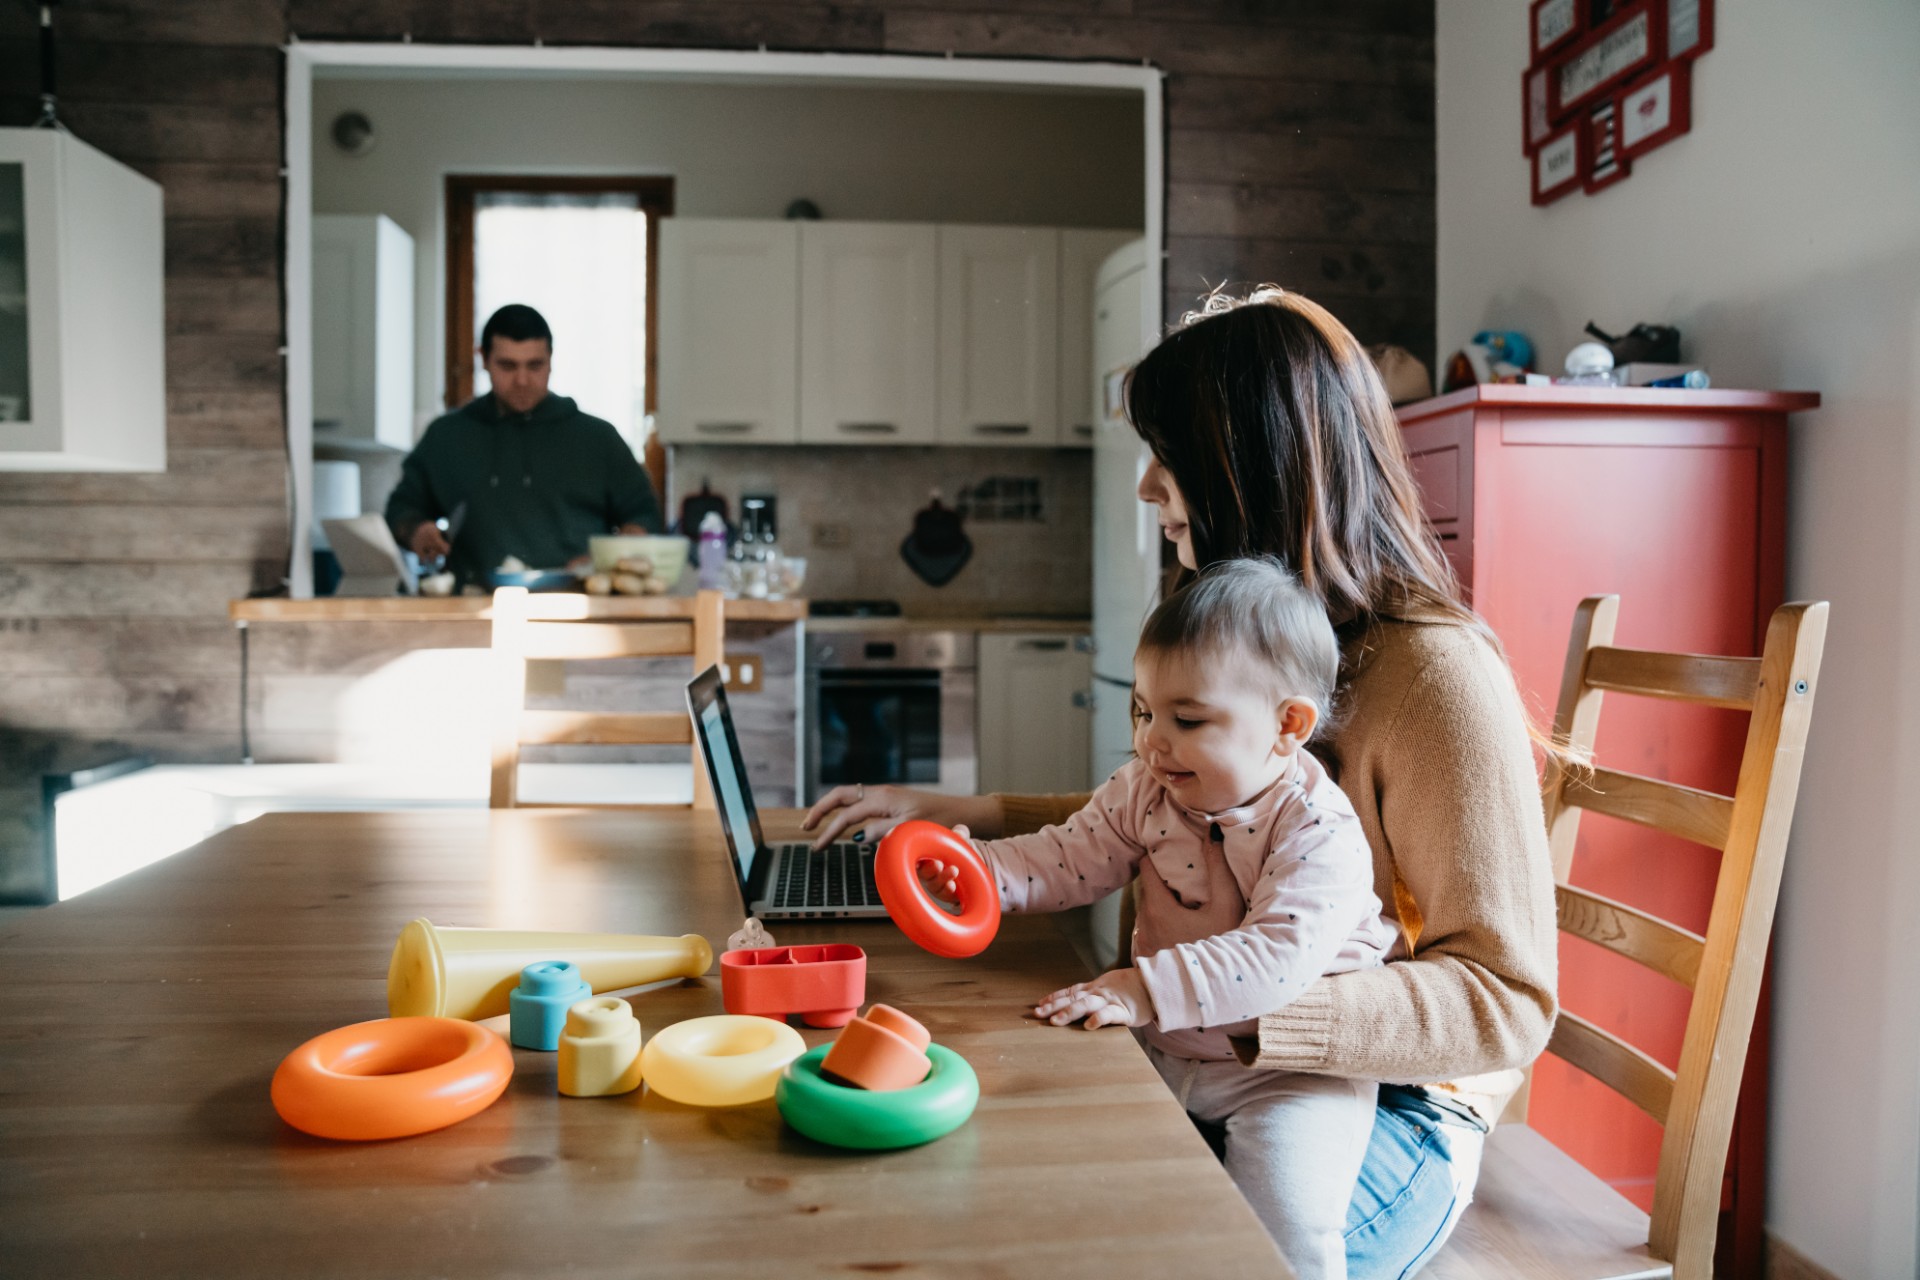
<point x="1556" y="165"/>
<point x="1656" y="110"/>
<point x="1628" y="43"/>
<point x="1536" y="124"/>
<point x="1689" y="27"/>
<point x="1552" y="23"/>
<point x="1601" y="163"/>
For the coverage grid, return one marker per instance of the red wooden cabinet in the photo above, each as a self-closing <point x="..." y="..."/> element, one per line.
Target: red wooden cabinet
<point x="1675" y="500"/>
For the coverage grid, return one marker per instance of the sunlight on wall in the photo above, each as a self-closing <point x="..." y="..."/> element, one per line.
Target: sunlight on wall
<point x="428" y="710"/>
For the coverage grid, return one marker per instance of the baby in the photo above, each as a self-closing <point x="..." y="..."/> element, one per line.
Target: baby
<point x="1255" y="878"/>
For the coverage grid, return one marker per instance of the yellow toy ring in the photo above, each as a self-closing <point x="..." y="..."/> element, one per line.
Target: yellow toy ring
<point x="723" y="1061"/>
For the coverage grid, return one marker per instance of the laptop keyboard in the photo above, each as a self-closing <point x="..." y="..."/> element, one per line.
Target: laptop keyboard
<point x="841" y="875"/>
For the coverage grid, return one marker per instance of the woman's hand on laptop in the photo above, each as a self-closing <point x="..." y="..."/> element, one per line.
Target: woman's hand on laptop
<point x="876" y="810"/>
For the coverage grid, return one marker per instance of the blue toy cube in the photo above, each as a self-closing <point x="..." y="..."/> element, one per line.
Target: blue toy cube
<point x="537" y="1008"/>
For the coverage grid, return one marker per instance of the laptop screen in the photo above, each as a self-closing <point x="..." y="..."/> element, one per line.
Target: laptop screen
<point x="713" y="722"/>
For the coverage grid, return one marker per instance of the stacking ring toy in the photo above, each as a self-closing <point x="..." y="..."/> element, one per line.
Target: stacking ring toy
<point x="391" y="1078"/>
<point x="842" y="1116"/>
<point x="723" y="1061"/>
<point x="922" y="919"/>
<point x="884" y="1050"/>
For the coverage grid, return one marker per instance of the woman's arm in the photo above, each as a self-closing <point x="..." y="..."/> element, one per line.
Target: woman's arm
<point x="1451" y="772"/>
<point x="879" y="809"/>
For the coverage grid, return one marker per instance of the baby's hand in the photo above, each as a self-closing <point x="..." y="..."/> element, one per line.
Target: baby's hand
<point x="1116" y="999"/>
<point x="941" y="880"/>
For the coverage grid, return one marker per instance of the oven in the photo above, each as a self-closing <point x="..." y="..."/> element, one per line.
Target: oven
<point x="890" y="706"/>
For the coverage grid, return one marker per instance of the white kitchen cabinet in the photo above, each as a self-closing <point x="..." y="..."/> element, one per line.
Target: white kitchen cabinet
<point x="1033" y="722"/>
<point x="999" y="339"/>
<point x="1081" y="253"/>
<point x="362" y="331"/>
<point x="868" y="343"/>
<point x="729" y="340"/>
<point x="82" y="309"/>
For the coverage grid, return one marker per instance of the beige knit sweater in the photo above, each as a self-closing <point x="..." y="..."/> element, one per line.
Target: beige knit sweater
<point x="1432" y="748"/>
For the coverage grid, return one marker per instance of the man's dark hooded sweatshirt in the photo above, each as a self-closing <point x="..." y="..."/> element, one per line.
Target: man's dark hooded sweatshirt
<point x="537" y="485"/>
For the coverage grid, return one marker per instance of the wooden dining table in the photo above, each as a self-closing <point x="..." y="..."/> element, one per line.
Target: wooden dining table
<point x="143" y="1021"/>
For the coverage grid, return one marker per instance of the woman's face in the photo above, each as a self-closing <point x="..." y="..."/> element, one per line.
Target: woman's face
<point x="1157" y="488"/>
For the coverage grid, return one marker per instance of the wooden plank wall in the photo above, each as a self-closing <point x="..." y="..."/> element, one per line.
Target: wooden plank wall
<point x="1300" y="149"/>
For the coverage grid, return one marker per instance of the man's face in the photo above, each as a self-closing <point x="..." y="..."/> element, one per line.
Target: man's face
<point x="519" y="371"/>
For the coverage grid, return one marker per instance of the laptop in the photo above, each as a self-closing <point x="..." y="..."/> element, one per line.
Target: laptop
<point x="782" y="881"/>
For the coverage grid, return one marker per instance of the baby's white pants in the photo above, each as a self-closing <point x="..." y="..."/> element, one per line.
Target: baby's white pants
<point x="1294" y="1144"/>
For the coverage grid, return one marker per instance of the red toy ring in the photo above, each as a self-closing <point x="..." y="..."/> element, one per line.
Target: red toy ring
<point x="922" y="919"/>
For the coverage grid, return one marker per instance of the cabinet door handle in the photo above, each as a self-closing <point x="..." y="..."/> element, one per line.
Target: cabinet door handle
<point x="723" y="428"/>
<point x="1083" y="698"/>
<point x="1003" y="428"/>
<point x="868" y="428"/>
<point x="1084" y="430"/>
<point x="1046" y="646"/>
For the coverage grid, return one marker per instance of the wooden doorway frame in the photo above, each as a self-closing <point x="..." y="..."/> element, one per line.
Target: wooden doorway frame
<point x="655" y="197"/>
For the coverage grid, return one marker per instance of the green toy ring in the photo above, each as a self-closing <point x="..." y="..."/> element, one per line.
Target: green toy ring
<point x="843" y="1116"/>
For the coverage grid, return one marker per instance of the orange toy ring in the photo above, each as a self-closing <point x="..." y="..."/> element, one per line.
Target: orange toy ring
<point x="901" y="851"/>
<point x="391" y="1078"/>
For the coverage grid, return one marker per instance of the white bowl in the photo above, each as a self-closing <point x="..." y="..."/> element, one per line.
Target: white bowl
<point x="667" y="551"/>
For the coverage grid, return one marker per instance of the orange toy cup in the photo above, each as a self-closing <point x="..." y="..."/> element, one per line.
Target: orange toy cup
<point x="391" y="1078"/>
<point x="881" y="1051"/>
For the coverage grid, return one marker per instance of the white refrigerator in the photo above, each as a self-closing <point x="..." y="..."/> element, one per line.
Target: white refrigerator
<point x="1126" y="534"/>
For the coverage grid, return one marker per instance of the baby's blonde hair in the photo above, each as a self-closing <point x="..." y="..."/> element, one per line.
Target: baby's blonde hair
<point x="1253" y="606"/>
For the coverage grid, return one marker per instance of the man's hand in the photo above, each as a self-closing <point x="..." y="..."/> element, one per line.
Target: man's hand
<point x="1115" y="999"/>
<point x="428" y="542"/>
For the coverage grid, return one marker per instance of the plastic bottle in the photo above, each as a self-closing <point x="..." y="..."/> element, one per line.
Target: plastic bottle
<point x="713" y="552"/>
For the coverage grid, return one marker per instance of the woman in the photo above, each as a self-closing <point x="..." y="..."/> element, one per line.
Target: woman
<point x="1271" y="434"/>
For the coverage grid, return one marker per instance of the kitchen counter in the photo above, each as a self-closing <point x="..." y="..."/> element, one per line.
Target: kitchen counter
<point x="564" y="605"/>
<point x="920" y="622"/>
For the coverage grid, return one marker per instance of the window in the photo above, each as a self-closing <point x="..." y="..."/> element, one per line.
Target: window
<point x="582" y="252"/>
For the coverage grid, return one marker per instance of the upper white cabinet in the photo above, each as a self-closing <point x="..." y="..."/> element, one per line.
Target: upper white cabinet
<point x="362" y="330"/>
<point x="82" y="309"/>
<point x="1034" y="719"/>
<point x="1081" y="253"/>
<point x="868" y="343"/>
<point x="729" y="331"/>
<point x="999" y="339"/>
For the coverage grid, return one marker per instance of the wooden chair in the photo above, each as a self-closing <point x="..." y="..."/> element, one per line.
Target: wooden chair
<point x="1536" y="1212"/>
<point x="570" y="627"/>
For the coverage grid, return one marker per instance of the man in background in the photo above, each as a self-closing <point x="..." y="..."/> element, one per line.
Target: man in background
<point x="535" y="476"/>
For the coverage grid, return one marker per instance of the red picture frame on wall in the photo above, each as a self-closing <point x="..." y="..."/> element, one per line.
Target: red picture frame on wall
<point x="1602" y="163"/>
<point x="1629" y="42"/>
<point x="1558" y="164"/>
<point x="1689" y="28"/>
<point x="1655" y="110"/>
<point x="1553" y="24"/>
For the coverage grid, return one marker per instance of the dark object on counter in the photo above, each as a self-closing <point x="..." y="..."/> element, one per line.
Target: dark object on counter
<point x="938" y="548"/>
<point x="804" y="210"/>
<point x="694" y="508"/>
<point x="853" y="608"/>
<point x="1644" y="343"/>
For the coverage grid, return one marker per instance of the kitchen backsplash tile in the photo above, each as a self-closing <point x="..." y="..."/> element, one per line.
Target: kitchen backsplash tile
<point x="1042" y="566"/>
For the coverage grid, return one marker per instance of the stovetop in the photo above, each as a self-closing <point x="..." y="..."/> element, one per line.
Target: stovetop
<point x="853" y="608"/>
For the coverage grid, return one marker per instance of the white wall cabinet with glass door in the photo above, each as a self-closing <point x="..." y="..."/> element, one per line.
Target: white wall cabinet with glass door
<point x="1034" y="719"/>
<point x="868" y="344"/>
<point x="999" y="335"/>
<point x="82" y="309"/>
<point x="729" y="331"/>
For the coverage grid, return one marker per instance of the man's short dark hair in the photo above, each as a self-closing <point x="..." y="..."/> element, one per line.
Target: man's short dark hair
<point x="516" y="322"/>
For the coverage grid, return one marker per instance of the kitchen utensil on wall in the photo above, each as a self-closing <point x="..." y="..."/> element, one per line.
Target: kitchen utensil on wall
<point x="695" y="506"/>
<point x="938" y="548"/>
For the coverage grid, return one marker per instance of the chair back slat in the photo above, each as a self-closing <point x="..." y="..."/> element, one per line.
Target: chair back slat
<point x="1713" y="1054"/>
<point x="1682" y="677"/>
<point x="1614" y="1063"/>
<point x="568" y="627"/>
<point x="1700" y="816"/>
<point x="645" y="728"/>
<point x="1626" y="931"/>
<point x="563" y="641"/>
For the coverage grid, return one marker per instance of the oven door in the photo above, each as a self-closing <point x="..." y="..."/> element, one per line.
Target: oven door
<point x="907" y="726"/>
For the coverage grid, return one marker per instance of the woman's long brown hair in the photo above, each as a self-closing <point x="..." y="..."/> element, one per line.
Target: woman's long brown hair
<point x="1272" y="421"/>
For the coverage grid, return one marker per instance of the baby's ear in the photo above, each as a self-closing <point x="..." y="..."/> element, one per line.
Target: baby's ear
<point x="1294" y="722"/>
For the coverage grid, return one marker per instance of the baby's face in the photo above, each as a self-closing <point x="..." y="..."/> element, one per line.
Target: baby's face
<point x="1208" y="729"/>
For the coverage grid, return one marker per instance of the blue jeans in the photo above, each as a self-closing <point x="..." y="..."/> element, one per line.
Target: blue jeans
<point x="1403" y="1203"/>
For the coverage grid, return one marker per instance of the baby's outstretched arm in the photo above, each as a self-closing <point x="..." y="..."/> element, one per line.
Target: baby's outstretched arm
<point x="1117" y="998"/>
